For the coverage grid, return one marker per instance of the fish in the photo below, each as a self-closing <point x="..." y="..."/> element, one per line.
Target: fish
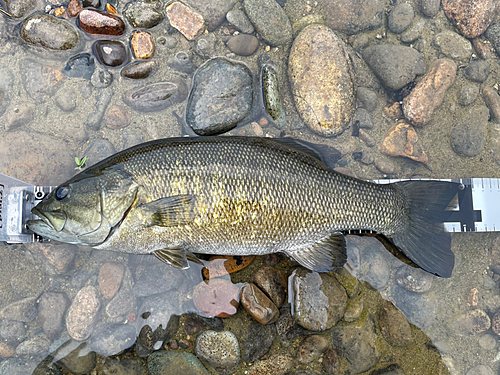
<point x="177" y="197"/>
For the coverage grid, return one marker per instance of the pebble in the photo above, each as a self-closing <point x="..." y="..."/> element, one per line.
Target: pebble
<point x="394" y="325"/>
<point x="492" y="100"/>
<point x="395" y="65"/>
<point x="374" y="267"/>
<point x="482" y="48"/>
<point x="468" y="94"/>
<point x="19" y="115"/>
<point x="384" y="165"/>
<point x="158" y="279"/>
<point x="258" y="305"/>
<point x="142" y="45"/>
<point x="192" y="326"/>
<point x="213" y="11"/>
<point x="233" y="92"/>
<point x="414" y="279"/>
<point x="12" y="330"/>
<point x="183" y="62"/>
<point x="91" y="4"/>
<point x="34" y="346"/>
<point x="495" y="323"/>
<point x="429" y="92"/>
<point x="140" y="70"/>
<point x="366" y="138"/>
<point x="50" y="32"/>
<point x="156" y="320"/>
<point x="188" y="22"/>
<point x="124" y="302"/>
<point x="240" y="21"/>
<point x="471" y="17"/>
<point x="333" y="96"/>
<point x="477" y="71"/>
<point x="143" y="14"/>
<point x="102" y="100"/>
<point x="468" y="137"/>
<point x="23" y="310"/>
<point x="402" y="140"/>
<point x="394" y="111"/>
<point x="74" y="8"/>
<point x="258" y="340"/>
<point x="51" y="310"/>
<point x="110" y="279"/>
<point x="351" y="16"/>
<point x="163" y="362"/>
<point x="331" y="362"/>
<point x="430" y="7"/>
<point x="271" y="95"/>
<point x="414" y="32"/>
<point x="6" y="86"/>
<point x="286" y="326"/>
<point x="131" y="366"/>
<point x="40" y="81"/>
<point x="277" y="364"/>
<point x="156" y="96"/>
<point x="310" y="19"/>
<point x="220" y="350"/>
<point x="369" y="100"/>
<point x="417" y="307"/>
<point x="118" y="117"/>
<point x="82" y="313"/>
<point x="7" y="351"/>
<point x="98" y="150"/>
<point x="111" y="53"/>
<point x="20" y="8"/>
<point x="272" y="282"/>
<point x="453" y="45"/>
<point x="487" y="341"/>
<point x="100" y="23"/>
<point x="243" y="44"/>
<point x="130" y="138"/>
<point x="357" y="346"/>
<point x="270" y="21"/>
<point x="319" y="300"/>
<point x="480" y="370"/>
<point x="493" y="35"/>
<point x="311" y="348"/>
<point x="218" y="297"/>
<point x="400" y="18"/>
<point x="65" y="100"/>
<point x="101" y="78"/>
<point x="112" y="339"/>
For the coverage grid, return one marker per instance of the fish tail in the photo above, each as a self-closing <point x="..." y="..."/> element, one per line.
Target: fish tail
<point x="424" y="239"/>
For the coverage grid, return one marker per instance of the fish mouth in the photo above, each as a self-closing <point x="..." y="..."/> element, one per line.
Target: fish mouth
<point x="55" y="220"/>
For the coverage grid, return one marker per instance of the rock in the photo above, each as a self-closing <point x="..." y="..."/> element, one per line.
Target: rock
<point x="188" y="22"/>
<point x="453" y="45"/>
<point x="142" y="45"/>
<point x="468" y="94"/>
<point x="286" y="326"/>
<point x="112" y="339"/>
<point x="480" y="370"/>
<point x="493" y="35"/>
<point x="156" y="320"/>
<point x="110" y="279"/>
<point x="418" y="309"/>
<point x="354" y="309"/>
<point x="163" y="362"/>
<point x="374" y="267"/>
<point x="258" y="305"/>
<point x="429" y="7"/>
<point x="277" y="364"/>
<point x="357" y="346"/>
<point x="124" y="302"/>
<point x="17" y="366"/>
<point x="487" y="341"/>
<point x="220" y="350"/>
<point x="311" y="348"/>
<point x="468" y="137"/>
<point x="40" y="81"/>
<point x="205" y="46"/>
<point x="98" y="150"/>
<point x="118" y="117"/>
<point x="400" y="18"/>
<point x="19" y="115"/>
<point x="428" y="94"/>
<point x="131" y="366"/>
<point x="272" y="282"/>
<point x="143" y="14"/>
<point x="332" y="96"/>
<point x="394" y="325"/>
<point x="74" y="8"/>
<point x="220" y="265"/>
<point x="331" y="362"/>
<point x="472" y="18"/>
<point x="111" y="53"/>
<point x="82" y="313"/>
<point x="477" y="71"/>
<point x="369" y="101"/>
<point x="495" y="323"/>
<point x="271" y="100"/>
<point x="140" y="70"/>
<point x="182" y="62"/>
<point x="414" y="279"/>
<point x="233" y="92"/>
<point x="353" y="16"/>
<point x="319" y="300"/>
<point x="213" y="12"/>
<point x="7" y="351"/>
<point x="76" y="357"/>
<point x="395" y="65"/>
<point x="243" y="45"/>
<point x="472" y="323"/>
<point x="156" y="96"/>
<point x="20" y="8"/>
<point x="258" y="341"/>
<point x="414" y="32"/>
<point x="23" y="310"/>
<point x="192" y="326"/>
<point x="158" y="279"/>
<point x="270" y="21"/>
<point x="100" y="23"/>
<point x="6" y="86"/>
<point x="65" y="100"/>
<point x="34" y="346"/>
<point x="310" y="19"/>
<point x="492" y="100"/>
<point x="49" y="32"/>
<point x="12" y="330"/>
<point x="402" y="140"/>
<point x="366" y="138"/>
<point x="91" y="4"/>
<point x="240" y="21"/>
<point x="51" y="310"/>
<point x="393" y="369"/>
<point x="218" y="298"/>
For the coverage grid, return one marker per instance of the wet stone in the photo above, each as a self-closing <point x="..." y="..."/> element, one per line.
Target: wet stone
<point x="277" y="364"/>
<point x="142" y="45"/>
<point x="331" y="362"/>
<point x="205" y="46"/>
<point x="34" y="346"/>
<point x="51" y="310"/>
<point x="258" y="341"/>
<point x="120" y="366"/>
<point x="394" y="325"/>
<point x="158" y="279"/>
<point x="286" y="326"/>
<point x="82" y="313"/>
<point x="243" y="45"/>
<point x="430" y="7"/>
<point x="20" y="8"/>
<point x="49" y="32"/>
<point x="100" y="23"/>
<point x="218" y="297"/>
<point x="111" y="53"/>
<point x="219" y="83"/>
<point x="311" y="348"/>
<point x="363" y="118"/>
<point x="400" y="18"/>
<point x="414" y="279"/>
<point x="144" y="14"/>
<point x="6" y="351"/>
<point x="492" y="100"/>
<point x="258" y="305"/>
<point x="270" y="21"/>
<point x="471" y="17"/>
<point x="240" y="21"/>
<point x="156" y="320"/>
<point x="374" y="267"/>
<point x="40" y="81"/>
<point x="74" y="8"/>
<point x="468" y="137"/>
<point x="366" y="138"/>
<point x="493" y="35"/>
<point x="192" y="326"/>
<point x="80" y="66"/>
<point x="272" y="282"/>
<point x="6" y="85"/>
<point x="414" y="32"/>
<point x="163" y="362"/>
<point x="23" y="310"/>
<point x="310" y="19"/>
<point x="19" y="115"/>
<point x="12" y="330"/>
<point x="220" y="350"/>
<point x="92" y="4"/>
<point x="98" y="150"/>
<point x="182" y="62"/>
<point x="110" y="279"/>
<point x="124" y="302"/>
<point x="477" y="71"/>
<point x="495" y="323"/>
<point x="402" y="140"/>
<point x="118" y="117"/>
<point x="140" y="70"/>
<point x="78" y="359"/>
<point x="353" y="16"/>
<point x="111" y="339"/>
<point x="468" y="94"/>
<point x="213" y="11"/>
<point x="65" y="100"/>
<point x="102" y="100"/>
<point x="155" y="97"/>
<point x="418" y="309"/>
<point x="101" y="78"/>
<point x="453" y="45"/>
<point x="188" y="22"/>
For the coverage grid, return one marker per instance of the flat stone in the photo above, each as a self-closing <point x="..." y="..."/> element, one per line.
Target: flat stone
<point x="414" y="32"/>
<point x="213" y="11"/>
<point x="51" y="310"/>
<point x="258" y="341"/>
<point x="400" y="18"/>
<point x="76" y="357"/>
<point x="49" y="32"/>
<point x="188" y="22"/>
<point x="220" y="350"/>
<point x="111" y="53"/>
<point x="23" y="310"/>
<point x="468" y="94"/>
<point x="118" y="117"/>
<point x="311" y="348"/>
<point x="258" y="305"/>
<point x="158" y="279"/>
<point x="374" y="267"/>
<point x="40" y="81"/>
<point x="100" y="23"/>
<point x="272" y="282"/>
<point x="65" y="100"/>
<point x="471" y="17"/>
<point x="164" y="362"/>
<point x="430" y="7"/>
<point x="468" y="137"/>
<point x="417" y="307"/>
<point x="480" y="370"/>
<point x="218" y="298"/>
<point x="140" y="70"/>
<point x="110" y="279"/>
<point x="453" y="45"/>
<point x="353" y="16"/>
<point x="402" y="140"/>
<point x="477" y="71"/>
<point x="34" y="346"/>
<point x="183" y="62"/>
<point x="81" y="66"/>
<point x="243" y="45"/>
<point x="124" y="302"/>
<point x="144" y="14"/>
<point x="394" y="326"/>
<point x="156" y="96"/>
<point x="82" y="313"/>
<point x="429" y="92"/>
<point x="94" y="119"/>
<point x="492" y="100"/>
<point x="369" y="100"/>
<point x="142" y="45"/>
<point x="325" y="105"/>
<point x="270" y="21"/>
<point x="472" y="323"/>
<point x="7" y="350"/>
<point x="414" y="279"/>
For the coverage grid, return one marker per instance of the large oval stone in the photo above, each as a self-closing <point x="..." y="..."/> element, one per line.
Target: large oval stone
<point x="156" y="97"/>
<point x="95" y="22"/>
<point x="325" y="104"/>
<point x="82" y="313"/>
<point x="49" y="32"/>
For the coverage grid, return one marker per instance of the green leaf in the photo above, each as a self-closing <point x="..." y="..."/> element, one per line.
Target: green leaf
<point x="77" y="161"/>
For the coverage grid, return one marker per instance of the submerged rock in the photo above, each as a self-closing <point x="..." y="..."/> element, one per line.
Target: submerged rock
<point x="82" y="313"/>
<point x="96" y="22"/>
<point x="144" y="14"/>
<point x="353" y="16"/>
<point x="156" y="97"/>
<point x="472" y="17"/>
<point x="220" y="350"/>
<point x="49" y="32"/>
<point x="402" y="140"/>
<point x="270" y="20"/>
<point x="189" y="23"/>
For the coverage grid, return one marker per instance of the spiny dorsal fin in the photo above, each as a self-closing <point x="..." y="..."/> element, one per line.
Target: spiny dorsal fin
<point x="170" y="211"/>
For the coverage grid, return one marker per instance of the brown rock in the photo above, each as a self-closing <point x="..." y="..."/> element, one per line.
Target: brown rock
<point x="82" y="313"/>
<point x="472" y="17"/>
<point x="142" y="45"/>
<point x="96" y="22"/>
<point x="482" y="48"/>
<point x="428" y="94"/>
<point x="331" y="362"/>
<point x="220" y="265"/>
<point x="394" y="111"/>
<point x="74" y="8"/>
<point x="395" y="326"/>
<point x="110" y="279"/>
<point x="243" y="45"/>
<point x="217" y="297"/>
<point x="272" y="282"/>
<point x="367" y="138"/>
<point x="7" y="350"/>
<point x="258" y="305"/>
<point x="311" y="348"/>
<point x="492" y="100"/>
<point x="189" y="23"/>
<point x="140" y="70"/>
<point x="402" y="140"/>
<point x="59" y="256"/>
<point x="118" y="117"/>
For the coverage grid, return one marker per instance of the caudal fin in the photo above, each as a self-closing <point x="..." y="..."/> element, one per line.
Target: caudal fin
<point x="425" y="239"/>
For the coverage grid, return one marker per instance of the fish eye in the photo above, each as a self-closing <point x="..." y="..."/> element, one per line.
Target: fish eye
<point x="61" y="193"/>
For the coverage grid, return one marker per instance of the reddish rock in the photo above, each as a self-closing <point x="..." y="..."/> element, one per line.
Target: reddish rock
<point x="217" y="297"/>
<point x="428" y="94"/>
<point x="96" y="22"/>
<point x="110" y="279"/>
<point x="142" y="45"/>
<point x="220" y="265"/>
<point x="82" y="313"/>
<point x="272" y="282"/>
<point x="495" y="323"/>
<point x="187" y="21"/>
<point x="402" y="140"/>
<point x="492" y="100"/>
<point x="59" y="256"/>
<point x="258" y="305"/>
<point x="482" y="49"/>
<point x="118" y="117"/>
<point x="472" y="17"/>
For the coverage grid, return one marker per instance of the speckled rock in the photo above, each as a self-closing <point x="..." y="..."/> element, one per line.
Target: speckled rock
<point x="318" y="51"/>
<point x="492" y="100"/>
<point x="12" y="330"/>
<point x="414" y="279"/>
<point x="99" y="23"/>
<point x="189" y="23"/>
<point x="472" y="323"/>
<point x="468" y="137"/>
<point x="270" y="21"/>
<point x="430" y="7"/>
<point x="477" y="71"/>
<point x="162" y="362"/>
<point x="277" y="364"/>
<point x="471" y="17"/>
<point x="82" y="313"/>
<point x="400" y="18"/>
<point x="51" y="310"/>
<point x="429" y="93"/>
<point x="414" y="32"/>
<point x="218" y="297"/>
<point x="258" y="305"/>
<point x="142" y="44"/>
<point x="74" y="8"/>
<point x="480" y="370"/>
<point x="111" y="339"/>
<point x="353" y="16"/>
<point x="311" y="348"/>
<point x="20" y="8"/>
<point x="243" y="45"/>
<point x="453" y="45"/>
<point x="495" y="323"/>
<point x="394" y="325"/>
<point x="140" y="70"/>
<point x="220" y="350"/>
<point x="49" y="32"/>
<point x="110" y="279"/>
<point x="258" y="341"/>
<point x="34" y="346"/>
<point x="402" y="140"/>
<point x="144" y="14"/>
<point x="156" y="96"/>
<point x="40" y="81"/>
<point x="493" y="35"/>
<point x="272" y="282"/>
<point x="319" y="300"/>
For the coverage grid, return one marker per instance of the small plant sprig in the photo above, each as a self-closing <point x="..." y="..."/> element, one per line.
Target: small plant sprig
<point x="80" y="163"/>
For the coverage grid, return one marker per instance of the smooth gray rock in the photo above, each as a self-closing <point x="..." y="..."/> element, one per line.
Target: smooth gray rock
<point x="477" y="71"/>
<point x="111" y="339"/>
<point x="468" y="137"/>
<point x="258" y="341"/>
<point x="270" y="20"/>
<point x="239" y="19"/>
<point x="353" y="16"/>
<point x="400" y="18"/>
<point x="144" y="13"/>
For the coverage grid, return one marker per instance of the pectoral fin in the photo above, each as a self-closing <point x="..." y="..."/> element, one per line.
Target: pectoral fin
<point x="323" y="256"/>
<point x="177" y="257"/>
<point x="170" y="211"/>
